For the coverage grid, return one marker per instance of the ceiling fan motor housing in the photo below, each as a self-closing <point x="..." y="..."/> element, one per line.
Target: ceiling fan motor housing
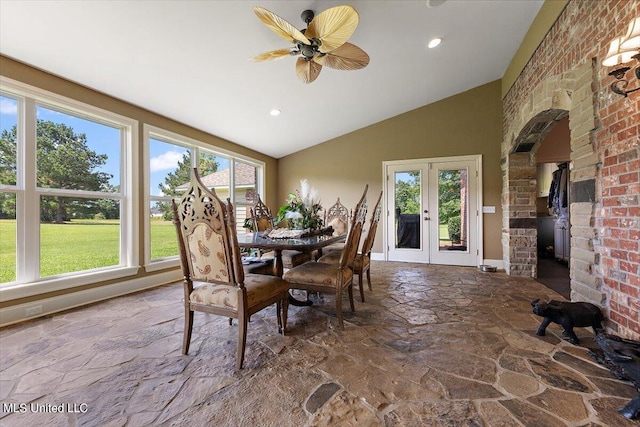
<point x="308" y="51"/>
<point x="307" y="16"/>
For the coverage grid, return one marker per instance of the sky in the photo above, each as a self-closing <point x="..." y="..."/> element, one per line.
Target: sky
<point x="103" y="139"/>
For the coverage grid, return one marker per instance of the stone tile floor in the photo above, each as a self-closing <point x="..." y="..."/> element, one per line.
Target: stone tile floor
<point x="432" y="346"/>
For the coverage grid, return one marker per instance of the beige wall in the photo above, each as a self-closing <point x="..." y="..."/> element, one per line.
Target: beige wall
<point x="464" y="124"/>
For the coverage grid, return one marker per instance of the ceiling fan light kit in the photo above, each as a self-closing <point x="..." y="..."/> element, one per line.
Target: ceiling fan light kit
<point x="322" y="43"/>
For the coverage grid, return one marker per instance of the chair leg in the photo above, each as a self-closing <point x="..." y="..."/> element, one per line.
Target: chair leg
<point x="242" y="339"/>
<point x="279" y="315"/>
<point x="188" y="327"/>
<point x="285" y="313"/>
<point x="350" y="292"/>
<point x="361" y="285"/>
<point x="369" y="277"/>
<point x="339" y="308"/>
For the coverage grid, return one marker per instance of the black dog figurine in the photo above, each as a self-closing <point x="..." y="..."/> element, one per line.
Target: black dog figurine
<point x="568" y="315"/>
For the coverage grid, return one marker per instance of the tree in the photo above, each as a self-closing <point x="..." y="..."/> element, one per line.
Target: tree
<point x="408" y="194"/>
<point x="207" y="164"/>
<point x="63" y="161"/>
<point x="8" y="172"/>
<point x="449" y="184"/>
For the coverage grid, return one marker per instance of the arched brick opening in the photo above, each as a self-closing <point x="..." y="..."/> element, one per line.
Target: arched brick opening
<point x="522" y="186"/>
<point x="551" y="101"/>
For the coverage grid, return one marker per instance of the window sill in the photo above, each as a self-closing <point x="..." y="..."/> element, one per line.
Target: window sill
<point x="162" y="264"/>
<point x="46" y="285"/>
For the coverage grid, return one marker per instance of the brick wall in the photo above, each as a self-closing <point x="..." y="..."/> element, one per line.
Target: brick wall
<point x="565" y="76"/>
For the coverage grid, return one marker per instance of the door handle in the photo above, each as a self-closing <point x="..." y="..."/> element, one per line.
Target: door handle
<point x="426" y="218"/>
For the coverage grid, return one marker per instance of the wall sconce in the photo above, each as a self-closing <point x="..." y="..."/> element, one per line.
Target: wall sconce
<point x="622" y="50"/>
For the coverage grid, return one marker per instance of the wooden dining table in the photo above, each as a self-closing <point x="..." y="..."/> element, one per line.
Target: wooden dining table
<point x="303" y="244"/>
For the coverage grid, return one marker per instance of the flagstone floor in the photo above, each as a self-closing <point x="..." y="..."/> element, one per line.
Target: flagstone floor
<point x="431" y="346"/>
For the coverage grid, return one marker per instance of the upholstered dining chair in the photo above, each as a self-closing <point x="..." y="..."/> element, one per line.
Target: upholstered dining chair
<point x="362" y="262"/>
<point x="333" y="277"/>
<point x="214" y="280"/>
<point x="337" y="217"/>
<point x="262" y="220"/>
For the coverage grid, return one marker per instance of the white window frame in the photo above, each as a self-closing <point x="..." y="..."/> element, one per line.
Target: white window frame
<point x="196" y="147"/>
<point x="28" y="282"/>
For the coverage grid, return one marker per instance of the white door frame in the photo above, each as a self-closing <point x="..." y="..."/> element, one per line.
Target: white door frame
<point x="477" y="158"/>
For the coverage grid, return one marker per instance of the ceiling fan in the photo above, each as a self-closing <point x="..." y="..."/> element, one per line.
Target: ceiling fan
<point x="322" y="43"/>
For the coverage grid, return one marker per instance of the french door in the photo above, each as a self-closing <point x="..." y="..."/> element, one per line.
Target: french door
<point x="433" y="211"/>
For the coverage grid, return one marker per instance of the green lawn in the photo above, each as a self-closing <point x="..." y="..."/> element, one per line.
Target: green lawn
<point x="7" y="250"/>
<point x="80" y="245"/>
<point x="164" y="242"/>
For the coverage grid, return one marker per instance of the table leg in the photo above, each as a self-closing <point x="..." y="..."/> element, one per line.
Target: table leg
<point x="278" y="271"/>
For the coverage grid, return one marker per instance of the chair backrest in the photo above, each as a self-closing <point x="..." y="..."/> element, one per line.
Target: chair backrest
<point x="201" y="222"/>
<point x="235" y="247"/>
<point x="261" y="216"/>
<point x="353" y="238"/>
<point x="367" y="245"/>
<point x="337" y="216"/>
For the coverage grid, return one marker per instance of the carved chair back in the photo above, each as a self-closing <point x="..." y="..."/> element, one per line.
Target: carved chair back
<point x="261" y="216"/>
<point x="353" y="238"/>
<point x="367" y="245"/>
<point x="204" y="236"/>
<point x="337" y="216"/>
<point x="235" y="247"/>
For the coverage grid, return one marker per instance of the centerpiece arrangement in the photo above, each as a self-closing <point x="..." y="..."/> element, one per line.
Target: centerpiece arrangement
<point x="302" y="211"/>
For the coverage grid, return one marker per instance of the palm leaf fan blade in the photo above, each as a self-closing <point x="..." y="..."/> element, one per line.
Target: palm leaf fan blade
<point x="281" y="27"/>
<point x="346" y="57"/>
<point x="307" y="71"/>
<point x="272" y="54"/>
<point x="333" y="27"/>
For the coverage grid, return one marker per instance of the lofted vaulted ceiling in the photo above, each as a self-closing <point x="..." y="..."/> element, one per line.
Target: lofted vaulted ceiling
<point x="189" y="60"/>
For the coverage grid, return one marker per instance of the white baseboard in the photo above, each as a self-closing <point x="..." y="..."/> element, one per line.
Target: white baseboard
<point x="43" y="307"/>
<point x="377" y="256"/>
<point x="498" y="263"/>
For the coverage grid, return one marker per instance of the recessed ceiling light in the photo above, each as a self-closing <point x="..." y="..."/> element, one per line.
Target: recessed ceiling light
<point x="433" y="43"/>
<point x="275" y="112"/>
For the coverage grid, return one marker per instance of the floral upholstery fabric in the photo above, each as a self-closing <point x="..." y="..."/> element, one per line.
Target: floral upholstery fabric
<point x="318" y="273"/>
<point x="207" y="258"/>
<point x="339" y="226"/>
<point x="359" y="262"/>
<point x="217" y="295"/>
<point x="333" y="257"/>
<point x="259" y="288"/>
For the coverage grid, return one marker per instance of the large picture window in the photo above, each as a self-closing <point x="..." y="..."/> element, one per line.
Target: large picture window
<point x="170" y="158"/>
<point x="66" y="184"/>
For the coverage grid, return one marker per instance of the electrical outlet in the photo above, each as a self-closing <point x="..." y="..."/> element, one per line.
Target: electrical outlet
<point x="32" y="311"/>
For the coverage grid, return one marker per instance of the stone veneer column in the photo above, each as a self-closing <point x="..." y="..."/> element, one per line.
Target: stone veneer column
<point x="585" y="273"/>
<point x="520" y="257"/>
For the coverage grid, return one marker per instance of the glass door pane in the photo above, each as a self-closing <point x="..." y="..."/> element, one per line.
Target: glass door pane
<point x="407" y="192"/>
<point x="453" y="210"/>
